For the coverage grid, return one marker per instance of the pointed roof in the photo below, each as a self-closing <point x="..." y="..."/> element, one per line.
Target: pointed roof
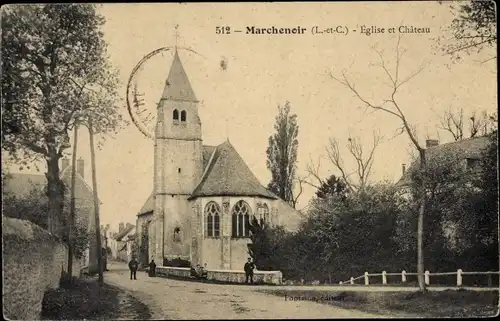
<point x="228" y="175"/>
<point x="177" y="86"/>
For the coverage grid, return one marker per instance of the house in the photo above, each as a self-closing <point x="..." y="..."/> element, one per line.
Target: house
<point x="124" y="242"/>
<point x="21" y="185"/>
<point x="465" y="154"/>
<point x="204" y="197"/>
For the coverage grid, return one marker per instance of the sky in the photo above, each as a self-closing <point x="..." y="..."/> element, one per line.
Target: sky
<point x="264" y="71"/>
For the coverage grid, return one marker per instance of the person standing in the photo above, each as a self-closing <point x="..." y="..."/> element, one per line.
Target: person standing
<point x="249" y="267"/>
<point x="133" y="265"/>
<point x="152" y="268"/>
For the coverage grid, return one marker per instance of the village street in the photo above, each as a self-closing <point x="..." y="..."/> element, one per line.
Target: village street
<point x="174" y="299"/>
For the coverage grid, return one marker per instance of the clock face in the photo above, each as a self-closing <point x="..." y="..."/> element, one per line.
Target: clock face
<point x="145" y="85"/>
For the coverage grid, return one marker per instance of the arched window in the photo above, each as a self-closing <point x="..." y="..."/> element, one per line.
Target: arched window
<point x="177" y="235"/>
<point x="212" y="215"/>
<point x="240" y="219"/>
<point x="265" y="210"/>
<point x="183" y="115"/>
<point x="176" y="114"/>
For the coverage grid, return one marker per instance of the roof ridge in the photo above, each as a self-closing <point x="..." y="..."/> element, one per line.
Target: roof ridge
<point x="205" y="171"/>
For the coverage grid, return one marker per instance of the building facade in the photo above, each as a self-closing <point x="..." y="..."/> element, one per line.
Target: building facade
<point x="204" y="197"/>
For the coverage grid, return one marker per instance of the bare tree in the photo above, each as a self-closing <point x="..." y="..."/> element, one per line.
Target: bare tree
<point x="363" y="163"/>
<point x="391" y="106"/>
<point x="453" y="122"/>
<point x="295" y="196"/>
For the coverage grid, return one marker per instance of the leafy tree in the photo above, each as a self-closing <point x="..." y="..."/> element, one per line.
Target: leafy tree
<point x="333" y="186"/>
<point x="336" y="223"/>
<point x="265" y="246"/>
<point x="473" y="28"/>
<point x="282" y="155"/>
<point x="55" y="71"/>
<point x="462" y="213"/>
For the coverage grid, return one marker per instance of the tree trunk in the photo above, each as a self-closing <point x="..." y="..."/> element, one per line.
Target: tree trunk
<point x="55" y="193"/>
<point x="71" y="221"/>
<point x="420" y="226"/>
<point x="96" y="206"/>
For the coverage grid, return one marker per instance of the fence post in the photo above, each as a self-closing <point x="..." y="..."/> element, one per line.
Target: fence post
<point x="352" y="280"/>
<point x="384" y="277"/>
<point x="367" y="282"/>
<point x="426" y="278"/>
<point x="459" y="277"/>
<point x="403" y="276"/>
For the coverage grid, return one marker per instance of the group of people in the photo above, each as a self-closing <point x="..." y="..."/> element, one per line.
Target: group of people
<point x="197" y="271"/>
<point x="133" y="266"/>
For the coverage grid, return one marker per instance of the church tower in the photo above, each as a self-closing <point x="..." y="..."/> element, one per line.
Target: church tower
<point x="177" y="164"/>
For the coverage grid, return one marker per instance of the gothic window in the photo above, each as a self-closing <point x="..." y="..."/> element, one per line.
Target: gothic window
<point x="265" y="211"/>
<point x="240" y="219"/>
<point x="234" y="225"/>
<point x="212" y="215"/>
<point x="216" y="225"/>
<point x="247" y="224"/>
<point x="183" y="115"/>
<point x="176" y="114"/>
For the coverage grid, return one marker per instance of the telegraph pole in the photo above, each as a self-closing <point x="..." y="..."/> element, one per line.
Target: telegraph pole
<point x="96" y="204"/>
<point x="71" y="220"/>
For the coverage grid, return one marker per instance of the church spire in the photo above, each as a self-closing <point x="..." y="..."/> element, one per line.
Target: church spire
<point x="177" y="86"/>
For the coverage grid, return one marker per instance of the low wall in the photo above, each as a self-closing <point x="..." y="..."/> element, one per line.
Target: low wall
<point x="238" y="276"/>
<point x="33" y="262"/>
<point x="226" y="276"/>
<point x="173" y="271"/>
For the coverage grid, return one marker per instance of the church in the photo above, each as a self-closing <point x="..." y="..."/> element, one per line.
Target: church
<point x="204" y="197"/>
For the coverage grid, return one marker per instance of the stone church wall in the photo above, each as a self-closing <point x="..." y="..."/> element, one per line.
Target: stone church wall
<point x="239" y="253"/>
<point x="211" y="253"/>
<point x="178" y="214"/>
<point x="33" y="261"/>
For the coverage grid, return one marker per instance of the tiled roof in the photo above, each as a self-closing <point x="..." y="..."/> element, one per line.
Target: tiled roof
<point x="21" y="184"/>
<point x="177" y="86"/>
<point x="467" y="148"/>
<point x="228" y="175"/>
<point x="149" y="205"/>
<point x="121" y="234"/>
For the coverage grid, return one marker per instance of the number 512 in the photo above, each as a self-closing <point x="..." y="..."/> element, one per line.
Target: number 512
<point x="223" y="30"/>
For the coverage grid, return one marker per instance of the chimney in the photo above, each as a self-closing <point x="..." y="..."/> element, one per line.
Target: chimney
<point x="121" y="227"/>
<point x="404" y="168"/>
<point x="80" y="168"/>
<point x="431" y="143"/>
<point x="64" y="163"/>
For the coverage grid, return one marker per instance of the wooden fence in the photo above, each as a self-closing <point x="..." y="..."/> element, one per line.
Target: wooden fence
<point x="427" y="276"/>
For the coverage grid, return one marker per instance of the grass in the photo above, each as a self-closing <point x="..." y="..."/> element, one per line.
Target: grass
<point x="448" y="303"/>
<point x="86" y="300"/>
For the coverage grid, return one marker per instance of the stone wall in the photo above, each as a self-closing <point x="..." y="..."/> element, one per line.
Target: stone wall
<point x="225" y="276"/>
<point x="33" y="262"/>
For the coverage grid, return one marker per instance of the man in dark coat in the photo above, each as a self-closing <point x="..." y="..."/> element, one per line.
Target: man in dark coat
<point x="152" y="268"/>
<point x="249" y="267"/>
<point x="133" y="265"/>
